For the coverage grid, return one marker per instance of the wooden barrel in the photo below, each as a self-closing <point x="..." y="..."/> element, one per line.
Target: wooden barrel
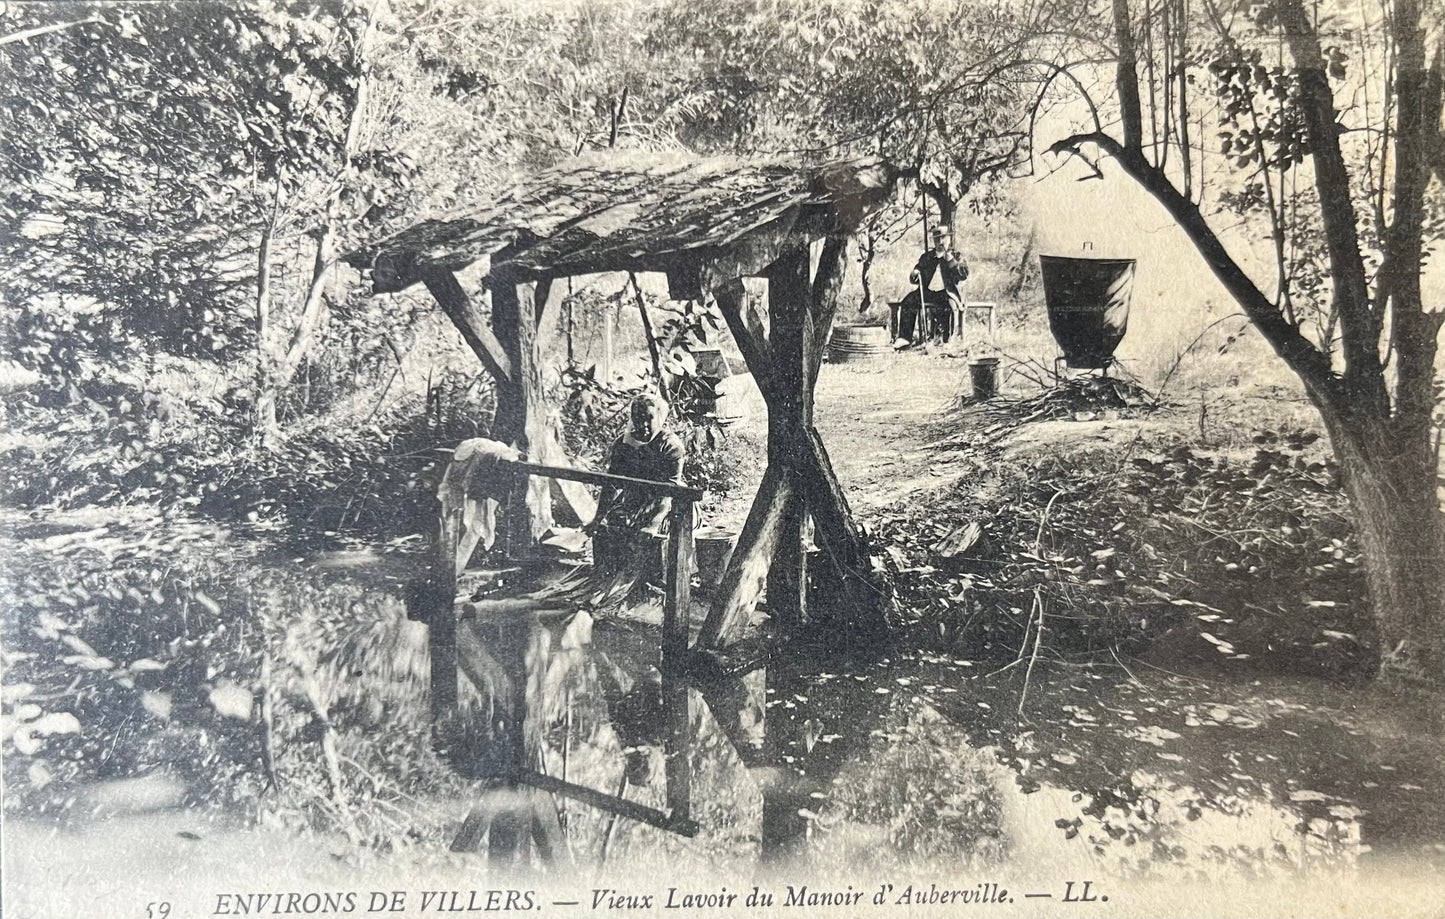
<point x="858" y="343"/>
<point x="1088" y="302"/>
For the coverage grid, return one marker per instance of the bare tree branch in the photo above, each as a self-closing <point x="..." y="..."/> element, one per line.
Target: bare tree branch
<point x="1303" y="357"/>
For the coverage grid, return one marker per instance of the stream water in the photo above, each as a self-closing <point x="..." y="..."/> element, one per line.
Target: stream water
<point x="869" y="768"/>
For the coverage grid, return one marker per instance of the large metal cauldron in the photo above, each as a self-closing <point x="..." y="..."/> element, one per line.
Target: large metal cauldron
<point x="1088" y="300"/>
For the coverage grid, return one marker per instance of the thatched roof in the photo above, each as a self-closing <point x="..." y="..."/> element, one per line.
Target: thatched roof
<point x="630" y="211"/>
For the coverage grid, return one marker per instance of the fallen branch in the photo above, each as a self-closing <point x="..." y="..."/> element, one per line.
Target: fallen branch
<point x="1038" y="639"/>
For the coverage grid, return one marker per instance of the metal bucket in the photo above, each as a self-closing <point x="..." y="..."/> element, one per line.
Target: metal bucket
<point x="1088" y="301"/>
<point x="983" y="373"/>
<point x="713" y="547"/>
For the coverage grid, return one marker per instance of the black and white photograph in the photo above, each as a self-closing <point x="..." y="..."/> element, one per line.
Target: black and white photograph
<point x="722" y="459"/>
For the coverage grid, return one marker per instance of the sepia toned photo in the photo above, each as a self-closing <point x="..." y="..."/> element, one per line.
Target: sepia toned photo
<point x="729" y="459"/>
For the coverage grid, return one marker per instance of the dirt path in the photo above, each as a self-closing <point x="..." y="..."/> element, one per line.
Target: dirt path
<point x="877" y="420"/>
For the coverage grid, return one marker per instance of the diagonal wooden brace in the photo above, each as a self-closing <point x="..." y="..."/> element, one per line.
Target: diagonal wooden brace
<point x="468" y="319"/>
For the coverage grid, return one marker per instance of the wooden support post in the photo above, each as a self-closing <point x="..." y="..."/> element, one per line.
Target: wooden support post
<point x="676" y="606"/>
<point x="748" y="333"/>
<point x="547" y="832"/>
<point x="474" y="828"/>
<point x="678" y="747"/>
<point x="835" y="528"/>
<point x="680" y="552"/>
<point x="507" y="836"/>
<point x="431" y="598"/>
<point x="732" y="698"/>
<point x="514" y="523"/>
<point x="784" y="829"/>
<point x="612" y="804"/>
<point x="788" y="576"/>
<point x="785" y="365"/>
<point x="790" y="413"/>
<point x="468" y="319"/>
<point x="442" y="645"/>
<point x="827" y="282"/>
<point x="747" y="569"/>
<point x="521" y="417"/>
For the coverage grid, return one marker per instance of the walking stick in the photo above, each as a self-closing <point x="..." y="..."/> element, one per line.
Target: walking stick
<point x="922" y="307"/>
<point x="922" y="313"/>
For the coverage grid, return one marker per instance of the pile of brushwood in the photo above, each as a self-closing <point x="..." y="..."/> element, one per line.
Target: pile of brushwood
<point x="1084" y="553"/>
<point x="1086" y="398"/>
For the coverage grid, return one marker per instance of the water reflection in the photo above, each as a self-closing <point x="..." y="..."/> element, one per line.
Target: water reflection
<point x="923" y="760"/>
<point x="855" y="765"/>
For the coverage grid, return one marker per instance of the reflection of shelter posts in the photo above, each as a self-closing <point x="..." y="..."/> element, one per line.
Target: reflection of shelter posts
<point x="471" y="492"/>
<point x="707" y="224"/>
<point x="504" y="657"/>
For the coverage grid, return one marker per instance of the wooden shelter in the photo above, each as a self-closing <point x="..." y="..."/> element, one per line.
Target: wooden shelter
<point x="707" y="224"/>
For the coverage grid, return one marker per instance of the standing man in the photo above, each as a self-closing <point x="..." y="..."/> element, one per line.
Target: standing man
<point x="940" y="273"/>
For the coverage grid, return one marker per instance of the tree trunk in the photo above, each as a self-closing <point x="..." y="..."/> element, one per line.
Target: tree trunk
<point x="265" y="400"/>
<point x="1385" y="451"/>
<point x="947" y="210"/>
<point x="1390" y="479"/>
<point x="868" y="250"/>
<point x="278" y="371"/>
<point x="947" y="215"/>
<point x="1021" y="274"/>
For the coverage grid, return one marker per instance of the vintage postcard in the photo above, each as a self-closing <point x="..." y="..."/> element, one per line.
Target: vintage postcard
<point x="755" y="458"/>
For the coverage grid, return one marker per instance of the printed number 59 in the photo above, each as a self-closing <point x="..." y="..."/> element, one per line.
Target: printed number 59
<point x="158" y="910"/>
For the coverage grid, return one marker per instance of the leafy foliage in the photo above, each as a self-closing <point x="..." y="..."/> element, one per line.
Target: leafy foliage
<point x="930" y="88"/>
<point x="147" y="643"/>
<point x="149" y="130"/>
<point x="595" y="411"/>
<point x="1251" y="562"/>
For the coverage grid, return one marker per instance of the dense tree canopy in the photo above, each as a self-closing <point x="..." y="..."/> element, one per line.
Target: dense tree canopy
<point x="942" y="91"/>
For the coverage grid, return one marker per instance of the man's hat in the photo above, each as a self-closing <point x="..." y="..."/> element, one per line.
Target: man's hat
<point x="938" y="233"/>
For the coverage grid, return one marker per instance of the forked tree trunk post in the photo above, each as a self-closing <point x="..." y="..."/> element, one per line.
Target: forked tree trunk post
<point x="675" y="693"/>
<point x="798" y="483"/>
<point x="790" y="414"/>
